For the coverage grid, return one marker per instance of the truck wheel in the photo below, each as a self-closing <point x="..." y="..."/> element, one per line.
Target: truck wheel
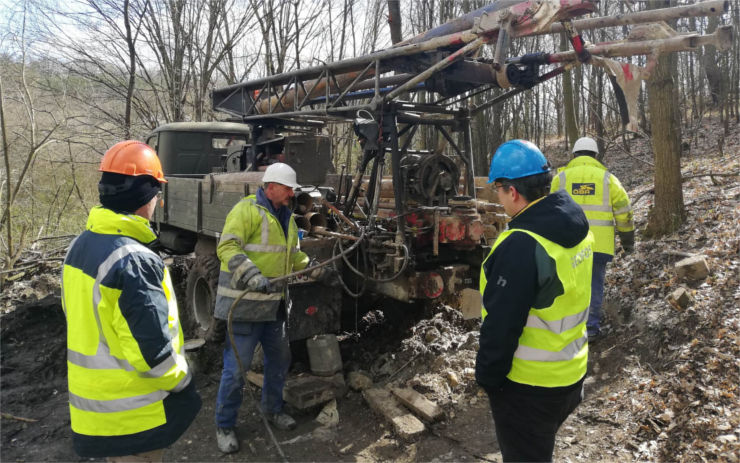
<point x="201" y="296"/>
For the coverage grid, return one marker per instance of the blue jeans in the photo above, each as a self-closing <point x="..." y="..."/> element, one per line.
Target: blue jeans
<point x="597" y="292"/>
<point x="274" y="339"/>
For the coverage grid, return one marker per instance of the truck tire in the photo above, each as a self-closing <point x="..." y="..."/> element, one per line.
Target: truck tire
<point x="201" y="297"/>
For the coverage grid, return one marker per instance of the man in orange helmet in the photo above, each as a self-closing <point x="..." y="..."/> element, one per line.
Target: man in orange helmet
<point x="130" y="388"/>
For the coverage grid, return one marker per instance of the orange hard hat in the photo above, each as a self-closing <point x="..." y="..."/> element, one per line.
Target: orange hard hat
<point x="134" y="158"/>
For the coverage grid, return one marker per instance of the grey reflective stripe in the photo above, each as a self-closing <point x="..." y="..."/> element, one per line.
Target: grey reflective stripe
<point x="265" y="248"/>
<point x="623" y="210"/>
<point x="600" y="223"/>
<point x="116" y="405"/>
<point x="265" y="226"/>
<point x="294" y="249"/>
<point x="251" y="295"/>
<point x="542" y="355"/>
<point x="183" y="382"/>
<point x="605" y="200"/>
<point x="265" y="236"/>
<point x="558" y="326"/>
<point x="228" y="237"/>
<point x="100" y="361"/>
<point x="242" y="268"/>
<point x="161" y="369"/>
<point x="103" y="269"/>
<point x="561" y="176"/>
<point x="596" y="207"/>
<point x="628" y="223"/>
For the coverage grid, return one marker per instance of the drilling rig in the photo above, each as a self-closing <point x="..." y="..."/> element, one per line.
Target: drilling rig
<point x="422" y="221"/>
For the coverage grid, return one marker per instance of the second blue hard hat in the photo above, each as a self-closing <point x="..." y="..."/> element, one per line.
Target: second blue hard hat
<point x="517" y="159"/>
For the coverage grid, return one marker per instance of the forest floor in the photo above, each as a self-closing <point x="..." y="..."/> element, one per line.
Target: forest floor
<point x="663" y="383"/>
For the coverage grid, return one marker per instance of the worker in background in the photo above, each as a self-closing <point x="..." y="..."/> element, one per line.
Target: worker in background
<point x="606" y="205"/>
<point x="259" y="242"/>
<point x="131" y="392"/>
<point x="535" y="285"/>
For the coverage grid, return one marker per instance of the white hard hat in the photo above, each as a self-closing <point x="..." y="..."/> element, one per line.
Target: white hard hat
<point x="585" y="144"/>
<point x="280" y="173"/>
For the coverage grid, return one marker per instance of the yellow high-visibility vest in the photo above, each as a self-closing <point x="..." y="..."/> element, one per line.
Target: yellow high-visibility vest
<point x="600" y="195"/>
<point x="553" y="346"/>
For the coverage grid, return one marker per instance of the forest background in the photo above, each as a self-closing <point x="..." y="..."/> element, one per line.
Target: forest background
<point x="78" y="76"/>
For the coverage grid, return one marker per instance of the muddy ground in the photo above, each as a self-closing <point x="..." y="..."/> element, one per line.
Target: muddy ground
<point x="662" y="384"/>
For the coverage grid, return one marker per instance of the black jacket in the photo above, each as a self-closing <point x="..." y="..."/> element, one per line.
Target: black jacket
<point x="521" y="275"/>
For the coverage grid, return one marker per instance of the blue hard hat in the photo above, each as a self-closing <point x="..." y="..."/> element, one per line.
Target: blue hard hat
<point x="517" y="159"/>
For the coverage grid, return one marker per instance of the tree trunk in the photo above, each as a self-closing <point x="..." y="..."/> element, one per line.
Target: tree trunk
<point x="668" y="213"/>
<point x="394" y="20"/>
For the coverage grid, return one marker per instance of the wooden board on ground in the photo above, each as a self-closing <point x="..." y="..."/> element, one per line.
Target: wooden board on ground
<point x="404" y="423"/>
<point x="417" y="403"/>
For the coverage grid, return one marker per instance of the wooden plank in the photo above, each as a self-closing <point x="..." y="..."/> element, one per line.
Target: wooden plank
<point x="417" y="403"/>
<point x="404" y="423"/>
<point x="255" y="378"/>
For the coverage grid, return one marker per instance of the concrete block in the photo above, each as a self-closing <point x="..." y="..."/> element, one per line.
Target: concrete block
<point x="405" y="424"/>
<point x="417" y="403"/>
<point x="693" y="268"/>
<point x="307" y="391"/>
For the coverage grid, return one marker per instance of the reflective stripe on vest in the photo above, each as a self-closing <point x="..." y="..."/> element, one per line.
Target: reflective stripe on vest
<point x="553" y="349"/>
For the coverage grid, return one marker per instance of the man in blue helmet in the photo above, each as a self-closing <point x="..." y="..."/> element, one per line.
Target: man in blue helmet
<point x="536" y="287"/>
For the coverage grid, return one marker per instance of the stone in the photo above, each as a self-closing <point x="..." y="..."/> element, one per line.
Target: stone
<point x="329" y="415"/>
<point x="431" y="335"/>
<point x="680" y="298"/>
<point x="359" y="381"/>
<point x="404" y="423"/>
<point x="452" y="379"/>
<point x="693" y="268"/>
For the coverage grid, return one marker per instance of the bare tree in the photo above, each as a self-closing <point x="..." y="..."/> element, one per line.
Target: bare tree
<point x="668" y="213"/>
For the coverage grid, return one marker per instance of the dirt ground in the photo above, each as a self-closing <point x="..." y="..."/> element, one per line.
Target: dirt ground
<point x="662" y="384"/>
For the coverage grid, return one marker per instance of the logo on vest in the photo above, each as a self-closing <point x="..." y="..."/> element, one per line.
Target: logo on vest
<point x="501" y="281"/>
<point x="582" y="255"/>
<point x="583" y="189"/>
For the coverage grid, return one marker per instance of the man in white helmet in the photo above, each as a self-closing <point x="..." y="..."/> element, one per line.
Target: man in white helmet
<point x="606" y="205"/>
<point x="259" y="242"/>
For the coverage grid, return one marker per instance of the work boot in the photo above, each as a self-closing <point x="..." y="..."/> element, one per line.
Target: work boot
<point x="227" y="441"/>
<point x="281" y="420"/>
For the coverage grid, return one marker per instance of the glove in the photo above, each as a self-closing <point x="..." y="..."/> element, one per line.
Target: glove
<point x="259" y="283"/>
<point x="628" y="241"/>
<point x="252" y="280"/>
<point x="324" y="274"/>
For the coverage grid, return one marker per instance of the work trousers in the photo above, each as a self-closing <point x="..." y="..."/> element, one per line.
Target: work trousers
<point x="526" y="424"/>
<point x="275" y="345"/>
<point x="593" y="325"/>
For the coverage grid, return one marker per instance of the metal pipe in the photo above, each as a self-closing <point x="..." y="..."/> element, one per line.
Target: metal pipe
<point x="721" y="38"/>
<point x="709" y="8"/>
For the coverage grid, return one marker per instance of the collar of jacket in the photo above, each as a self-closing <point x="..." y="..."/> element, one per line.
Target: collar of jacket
<point x="107" y="222"/>
<point x="585" y="161"/>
